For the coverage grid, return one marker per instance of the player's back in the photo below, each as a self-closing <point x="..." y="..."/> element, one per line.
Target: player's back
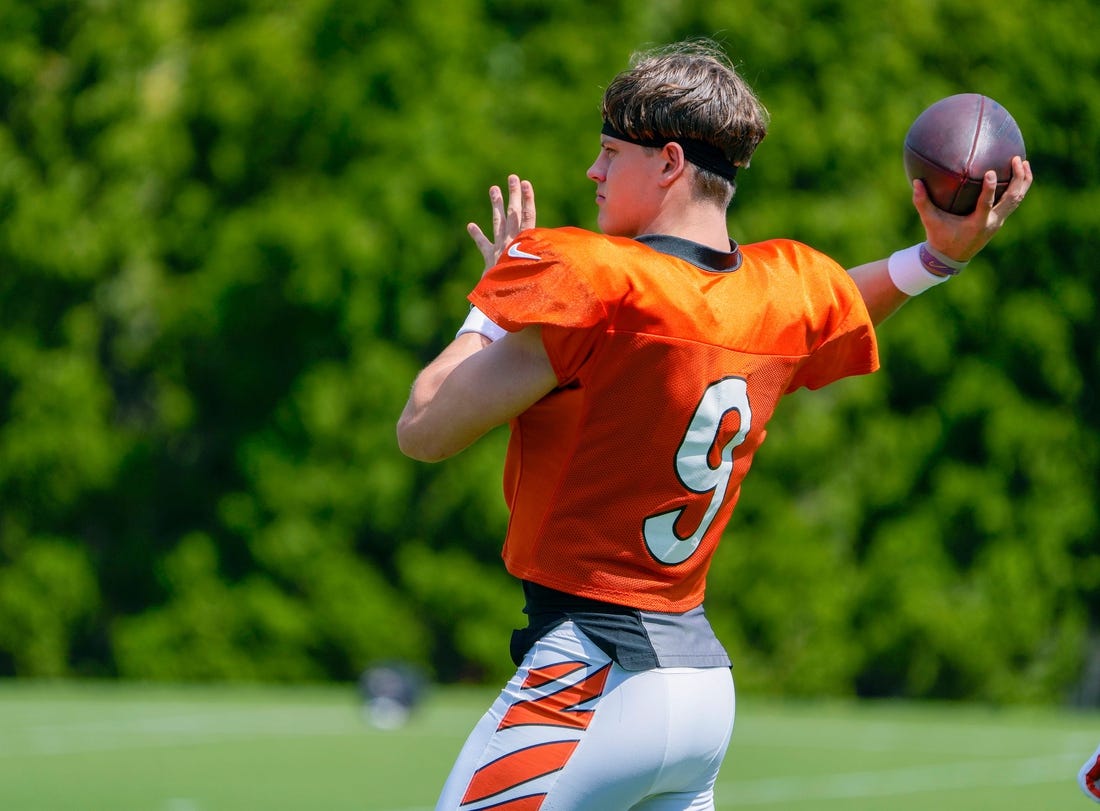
<point x="671" y="359"/>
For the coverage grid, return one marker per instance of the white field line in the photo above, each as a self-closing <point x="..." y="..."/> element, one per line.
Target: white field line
<point x="170" y="730"/>
<point x="972" y="774"/>
<point x="183" y="726"/>
<point x="878" y="736"/>
<point x="189" y="728"/>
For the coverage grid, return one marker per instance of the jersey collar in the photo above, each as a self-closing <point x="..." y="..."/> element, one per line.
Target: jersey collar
<point x="699" y="255"/>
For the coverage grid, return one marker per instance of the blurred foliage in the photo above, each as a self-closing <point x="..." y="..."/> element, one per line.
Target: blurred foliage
<point x="232" y="232"/>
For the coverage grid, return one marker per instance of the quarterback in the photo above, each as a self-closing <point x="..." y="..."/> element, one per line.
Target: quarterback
<point x="638" y="368"/>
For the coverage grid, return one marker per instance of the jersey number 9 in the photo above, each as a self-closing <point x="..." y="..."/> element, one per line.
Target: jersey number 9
<point x="695" y="471"/>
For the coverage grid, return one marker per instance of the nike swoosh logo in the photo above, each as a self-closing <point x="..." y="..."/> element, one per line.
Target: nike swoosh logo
<point x="516" y="253"/>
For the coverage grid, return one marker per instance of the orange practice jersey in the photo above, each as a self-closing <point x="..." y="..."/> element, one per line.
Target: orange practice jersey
<point x="621" y="480"/>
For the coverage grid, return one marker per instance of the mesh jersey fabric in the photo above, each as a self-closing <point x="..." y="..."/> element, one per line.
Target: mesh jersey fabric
<point x="621" y="480"/>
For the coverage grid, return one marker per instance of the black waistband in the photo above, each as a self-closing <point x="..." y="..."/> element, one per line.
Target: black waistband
<point x="635" y="639"/>
<point x="543" y="600"/>
<point x="617" y="630"/>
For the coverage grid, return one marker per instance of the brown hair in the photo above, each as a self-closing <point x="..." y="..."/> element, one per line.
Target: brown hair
<point x="689" y="90"/>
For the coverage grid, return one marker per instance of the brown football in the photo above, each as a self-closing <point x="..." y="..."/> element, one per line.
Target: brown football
<point x="953" y="143"/>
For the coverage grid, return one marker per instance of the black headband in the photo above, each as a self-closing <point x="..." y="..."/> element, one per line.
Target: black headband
<point x="704" y="155"/>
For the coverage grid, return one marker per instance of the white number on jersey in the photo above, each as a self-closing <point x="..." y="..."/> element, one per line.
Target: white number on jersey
<point x="694" y="469"/>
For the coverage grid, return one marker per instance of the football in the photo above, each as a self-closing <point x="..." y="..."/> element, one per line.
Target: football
<point x="953" y="143"/>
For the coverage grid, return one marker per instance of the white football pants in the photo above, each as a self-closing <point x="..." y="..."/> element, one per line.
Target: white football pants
<point x="572" y="731"/>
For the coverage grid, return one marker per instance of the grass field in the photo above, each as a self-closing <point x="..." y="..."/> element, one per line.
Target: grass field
<point x="110" y="747"/>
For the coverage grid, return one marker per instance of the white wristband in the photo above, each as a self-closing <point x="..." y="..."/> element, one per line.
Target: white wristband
<point x="917" y="268"/>
<point x="480" y="323"/>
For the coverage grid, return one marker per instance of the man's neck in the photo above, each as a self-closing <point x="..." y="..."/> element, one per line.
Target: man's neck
<point x="703" y="224"/>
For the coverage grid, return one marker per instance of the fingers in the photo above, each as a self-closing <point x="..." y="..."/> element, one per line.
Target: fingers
<point x="478" y="236"/>
<point x="1017" y="187"/>
<point x="940" y="226"/>
<point x="924" y="205"/>
<point x="527" y="202"/>
<point x="519" y="213"/>
<point x="1024" y="166"/>
<point x="496" y="201"/>
<point x="961" y="237"/>
<point x="515" y="202"/>
<point x="521" y="205"/>
<point x="508" y="220"/>
<point x="988" y="195"/>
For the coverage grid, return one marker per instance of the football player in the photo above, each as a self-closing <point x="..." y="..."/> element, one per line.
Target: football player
<point x="638" y="368"/>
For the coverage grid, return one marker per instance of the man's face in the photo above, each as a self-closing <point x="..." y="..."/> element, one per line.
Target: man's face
<point x="626" y="177"/>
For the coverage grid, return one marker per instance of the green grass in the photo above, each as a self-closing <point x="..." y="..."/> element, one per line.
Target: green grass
<point x="110" y="747"/>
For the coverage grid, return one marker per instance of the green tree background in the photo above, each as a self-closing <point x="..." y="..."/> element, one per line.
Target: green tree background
<point x="232" y="232"/>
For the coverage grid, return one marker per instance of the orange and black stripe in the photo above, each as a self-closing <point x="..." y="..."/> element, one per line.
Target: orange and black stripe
<point x="556" y="709"/>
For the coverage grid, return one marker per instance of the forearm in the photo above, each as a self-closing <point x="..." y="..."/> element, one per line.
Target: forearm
<point x="473" y="386"/>
<point x="888" y="283"/>
<point x="486" y="375"/>
<point x="418" y="428"/>
<point x="880" y="294"/>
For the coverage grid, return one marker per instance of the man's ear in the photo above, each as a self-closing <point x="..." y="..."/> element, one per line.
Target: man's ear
<point x="675" y="163"/>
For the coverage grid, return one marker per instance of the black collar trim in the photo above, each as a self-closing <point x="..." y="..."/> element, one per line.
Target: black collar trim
<point x="699" y="255"/>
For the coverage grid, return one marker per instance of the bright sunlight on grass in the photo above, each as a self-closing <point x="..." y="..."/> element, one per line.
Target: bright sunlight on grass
<point x="117" y="747"/>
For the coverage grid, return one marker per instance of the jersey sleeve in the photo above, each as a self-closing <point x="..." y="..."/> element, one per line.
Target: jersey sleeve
<point x="541" y="281"/>
<point x="851" y="350"/>
<point x="846" y="344"/>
